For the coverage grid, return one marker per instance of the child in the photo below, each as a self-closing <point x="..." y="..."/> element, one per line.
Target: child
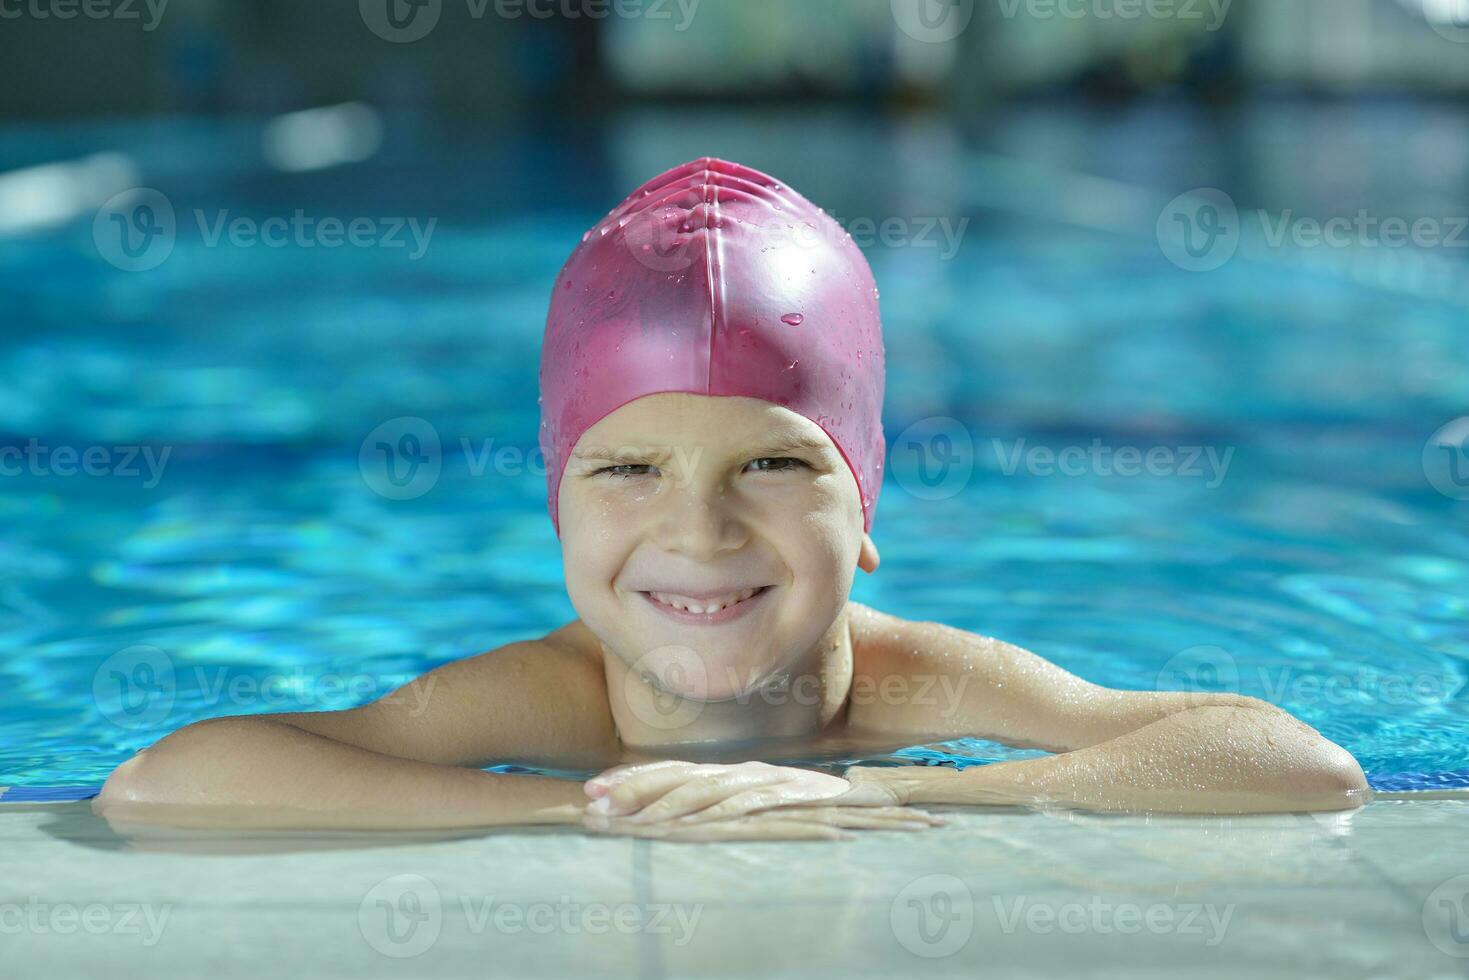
<point x="712" y="383"/>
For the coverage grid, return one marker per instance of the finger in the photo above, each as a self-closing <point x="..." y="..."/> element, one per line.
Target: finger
<point x="890" y="817"/>
<point x="702" y="792"/>
<point x="865" y="793"/>
<point x="758" y="827"/>
<point x="639" y="789"/>
<point x="747" y="802"/>
<point x="599" y="785"/>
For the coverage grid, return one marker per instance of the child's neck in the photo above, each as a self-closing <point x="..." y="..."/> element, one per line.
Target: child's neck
<point x="797" y="702"/>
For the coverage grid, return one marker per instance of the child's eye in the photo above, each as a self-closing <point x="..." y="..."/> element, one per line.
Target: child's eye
<point x="777" y="464"/>
<point x="625" y="471"/>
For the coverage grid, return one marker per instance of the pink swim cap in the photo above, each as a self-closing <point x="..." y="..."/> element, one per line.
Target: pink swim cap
<point x="715" y="279"/>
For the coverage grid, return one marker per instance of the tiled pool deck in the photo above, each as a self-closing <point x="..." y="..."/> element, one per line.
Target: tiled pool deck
<point x="1379" y="892"/>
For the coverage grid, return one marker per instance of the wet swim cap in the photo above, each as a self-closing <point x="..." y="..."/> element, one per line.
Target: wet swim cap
<point x="715" y="279"/>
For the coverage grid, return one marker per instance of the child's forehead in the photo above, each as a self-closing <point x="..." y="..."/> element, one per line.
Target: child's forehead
<point x="671" y="417"/>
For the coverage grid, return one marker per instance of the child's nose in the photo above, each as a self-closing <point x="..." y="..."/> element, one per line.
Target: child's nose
<point x="701" y="522"/>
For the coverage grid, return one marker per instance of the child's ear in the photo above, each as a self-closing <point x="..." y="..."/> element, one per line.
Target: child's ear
<point x="868" y="558"/>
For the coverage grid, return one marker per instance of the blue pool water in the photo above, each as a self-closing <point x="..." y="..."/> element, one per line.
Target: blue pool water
<point x="268" y="567"/>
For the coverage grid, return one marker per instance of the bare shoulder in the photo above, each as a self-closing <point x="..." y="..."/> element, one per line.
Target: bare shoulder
<point x="561" y="670"/>
<point x="895" y="668"/>
<point x="578" y="643"/>
<point x="885" y="644"/>
<point x="945" y="680"/>
<point x="541" y="701"/>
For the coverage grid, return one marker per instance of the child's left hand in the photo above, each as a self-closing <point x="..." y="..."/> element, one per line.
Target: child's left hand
<point x="686" y="792"/>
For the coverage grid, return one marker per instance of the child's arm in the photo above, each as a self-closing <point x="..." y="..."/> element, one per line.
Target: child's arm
<point x="1135" y="750"/>
<point x="399" y="762"/>
<point x="1142" y="750"/>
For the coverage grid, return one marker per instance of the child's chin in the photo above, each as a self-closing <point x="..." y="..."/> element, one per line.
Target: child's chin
<point x="738" y="676"/>
<point x="704" y="672"/>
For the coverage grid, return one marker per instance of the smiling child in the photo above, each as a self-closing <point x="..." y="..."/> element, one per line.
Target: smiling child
<point x="712" y="382"/>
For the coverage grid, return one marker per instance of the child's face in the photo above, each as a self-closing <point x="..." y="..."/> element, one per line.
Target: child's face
<point x="707" y="498"/>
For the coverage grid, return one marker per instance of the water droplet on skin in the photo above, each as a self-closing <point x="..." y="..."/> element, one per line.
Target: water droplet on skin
<point x="793" y="319"/>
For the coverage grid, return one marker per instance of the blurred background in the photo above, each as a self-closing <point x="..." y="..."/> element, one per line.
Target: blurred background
<point x="506" y="59"/>
<point x="273" y="276"/>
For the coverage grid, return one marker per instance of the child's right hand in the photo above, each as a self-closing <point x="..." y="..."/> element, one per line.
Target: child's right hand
<point x="752" y="800"/>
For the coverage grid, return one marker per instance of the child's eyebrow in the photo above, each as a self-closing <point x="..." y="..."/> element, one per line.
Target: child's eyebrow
<point x="626" y="456"/>
<point x="792" y="443"/>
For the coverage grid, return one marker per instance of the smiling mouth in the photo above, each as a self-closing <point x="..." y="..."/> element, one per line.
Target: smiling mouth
<point x="715" y="609"/>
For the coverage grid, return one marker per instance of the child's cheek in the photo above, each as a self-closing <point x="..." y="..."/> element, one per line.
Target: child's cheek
<point x="800" y="504"/>
<point x="624" y="505"/>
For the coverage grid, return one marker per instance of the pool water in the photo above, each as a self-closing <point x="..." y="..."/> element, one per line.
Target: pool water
<point x="238" y="547"/>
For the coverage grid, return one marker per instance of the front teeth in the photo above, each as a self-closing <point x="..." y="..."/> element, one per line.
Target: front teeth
<point x="702" y="609"/>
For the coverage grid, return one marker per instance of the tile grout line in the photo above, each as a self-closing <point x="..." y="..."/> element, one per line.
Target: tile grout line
<point x="650" y="955"/>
